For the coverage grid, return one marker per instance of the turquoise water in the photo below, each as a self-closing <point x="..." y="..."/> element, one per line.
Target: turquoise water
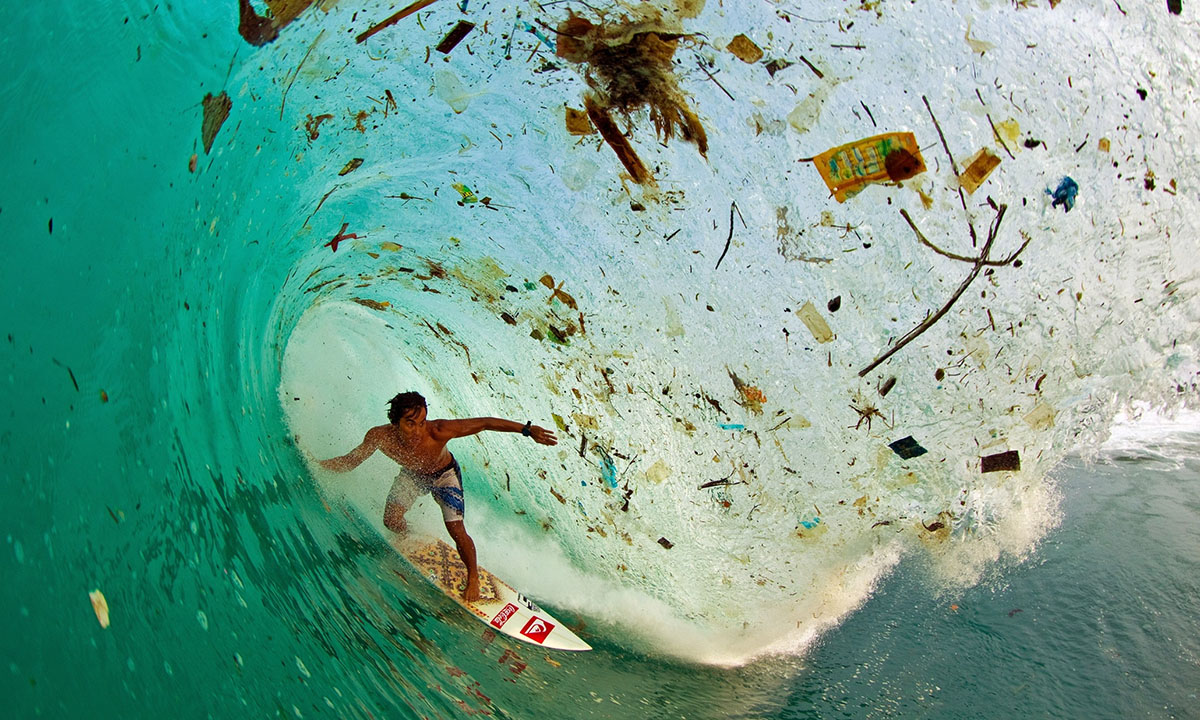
<point x="169" y="332"/>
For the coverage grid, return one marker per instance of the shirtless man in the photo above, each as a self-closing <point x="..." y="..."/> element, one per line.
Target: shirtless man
<point x="419" y="446"/>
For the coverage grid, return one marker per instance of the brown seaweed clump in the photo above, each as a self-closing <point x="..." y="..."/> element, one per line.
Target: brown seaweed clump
<point x="630" y="65"/>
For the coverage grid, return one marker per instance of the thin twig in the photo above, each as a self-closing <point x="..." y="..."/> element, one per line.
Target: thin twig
<point x="952" y="256"/>
<point x="296" y="74"/>
<point x="953" y="165"/>
<point x="873" y="124"/>
<point x="314" y="212"/>
<point x="929" y="321"/>
<point x="816" y="72"/>
<point x="937" y="125"/>
<point x="732" y="206"/>
<point x="1000" y="139"/>
<point x="710" y="77"/>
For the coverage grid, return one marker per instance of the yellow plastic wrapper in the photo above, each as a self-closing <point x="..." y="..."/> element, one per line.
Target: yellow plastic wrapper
<point x="847" y="169"/>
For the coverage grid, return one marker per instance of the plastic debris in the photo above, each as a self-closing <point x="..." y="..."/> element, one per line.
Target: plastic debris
<point x="1040" y="417"/>
<point x="254" y="28"/>
<point x="538" y="34"/>
<point x="312" y="125"/>
<point x="980" y="46"/>
<point x="978" y="169"/>
<point x="351" y="166"/>
<point x="752" y="397"/>
<point x="578" y="122"/>
<point x="100" y="605"/>
<point x="666" y="543"/>
<point x="835" y="304"/>
<point x="450" y="89"/>
<point x="658" y="472"/>
<point x="465" y="192"/>
<point x="557" y="293"/>
<point x="731" y="426"/>
<point x="1065" y="194"/>
<point x="849" y="168"/>
<point x="1175" y="7"/>
<point x="907" y="447"/>
<point x="815" y="323"/>
<point x="745" y="49"/>
<point x="455" y="36"/>
<point x="341" y="235"/>
<point x="216" y="111"/>
<point x="1010" y="460"/>
<point x="608" y="469"/>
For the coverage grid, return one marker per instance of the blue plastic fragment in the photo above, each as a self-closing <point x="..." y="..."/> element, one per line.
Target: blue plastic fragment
<point x="608" y="470"/>
<point x="1064" y="194"/>
<point x="549" y="43"/>
<point x="810" y="524"/>
<point x="731" y="426"/>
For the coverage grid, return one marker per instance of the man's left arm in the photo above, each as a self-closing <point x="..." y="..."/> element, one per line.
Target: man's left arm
<point x="450" y="429"/>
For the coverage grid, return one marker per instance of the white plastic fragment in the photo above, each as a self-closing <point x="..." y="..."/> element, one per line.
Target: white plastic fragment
<point x="100" y="605"/>
<point x="815" y="323"/>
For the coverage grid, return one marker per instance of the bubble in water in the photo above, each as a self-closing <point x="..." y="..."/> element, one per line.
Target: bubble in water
<point x="202" y="619"/>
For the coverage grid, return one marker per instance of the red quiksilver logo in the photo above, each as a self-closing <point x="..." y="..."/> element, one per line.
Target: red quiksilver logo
<point x="503" y="616"/>
<point x="537" y="629"/>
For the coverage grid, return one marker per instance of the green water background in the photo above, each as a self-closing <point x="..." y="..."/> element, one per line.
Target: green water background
<point x="234" y="594"/>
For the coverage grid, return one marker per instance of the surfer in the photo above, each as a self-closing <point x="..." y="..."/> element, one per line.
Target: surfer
<point x="418" y="445"/>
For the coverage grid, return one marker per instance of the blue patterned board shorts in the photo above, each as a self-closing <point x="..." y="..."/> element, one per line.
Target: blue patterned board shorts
<point x="445" y="486"/>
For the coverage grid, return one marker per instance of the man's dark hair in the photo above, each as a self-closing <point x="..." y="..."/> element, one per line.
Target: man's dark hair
<point x="403" y="405"/>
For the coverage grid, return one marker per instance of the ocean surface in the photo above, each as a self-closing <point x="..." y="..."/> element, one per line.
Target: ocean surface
<point x="817" y="459"/>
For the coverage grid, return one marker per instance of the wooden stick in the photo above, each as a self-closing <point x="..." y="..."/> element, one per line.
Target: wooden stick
<point x="710" y="77"/>
<point x="953" y="165"/>
<point x="952" y="256"/>
<point x="384" y="24"/>
<point x="929" y="321"/>
<point x="732" y="207"/>
<point x="1000" y="139"/>
<point x="296" y="74"/>
<point x="816" y="72"/>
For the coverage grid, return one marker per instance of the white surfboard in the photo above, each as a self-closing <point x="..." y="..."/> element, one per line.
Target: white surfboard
<point x="499" y="606"/>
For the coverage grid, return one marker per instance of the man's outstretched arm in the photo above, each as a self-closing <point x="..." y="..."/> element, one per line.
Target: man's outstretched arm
<point x="450" y="429"/>
<point x="354" y="458"/>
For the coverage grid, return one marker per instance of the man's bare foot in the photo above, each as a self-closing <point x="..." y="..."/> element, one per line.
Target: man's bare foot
<point x="471" y="592"/>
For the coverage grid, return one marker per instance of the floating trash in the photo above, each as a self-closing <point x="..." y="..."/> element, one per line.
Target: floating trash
<point x="100" y="606"/>
<point x="847" y="169"/>
<point x="1065" y="194"/>
<point x="907" y="448"/>
<point x="1010" y="460"/>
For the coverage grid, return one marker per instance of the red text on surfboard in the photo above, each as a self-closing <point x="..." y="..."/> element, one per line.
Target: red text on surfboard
<point x="503" y="616"/>
<point x="537" y="629"/>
